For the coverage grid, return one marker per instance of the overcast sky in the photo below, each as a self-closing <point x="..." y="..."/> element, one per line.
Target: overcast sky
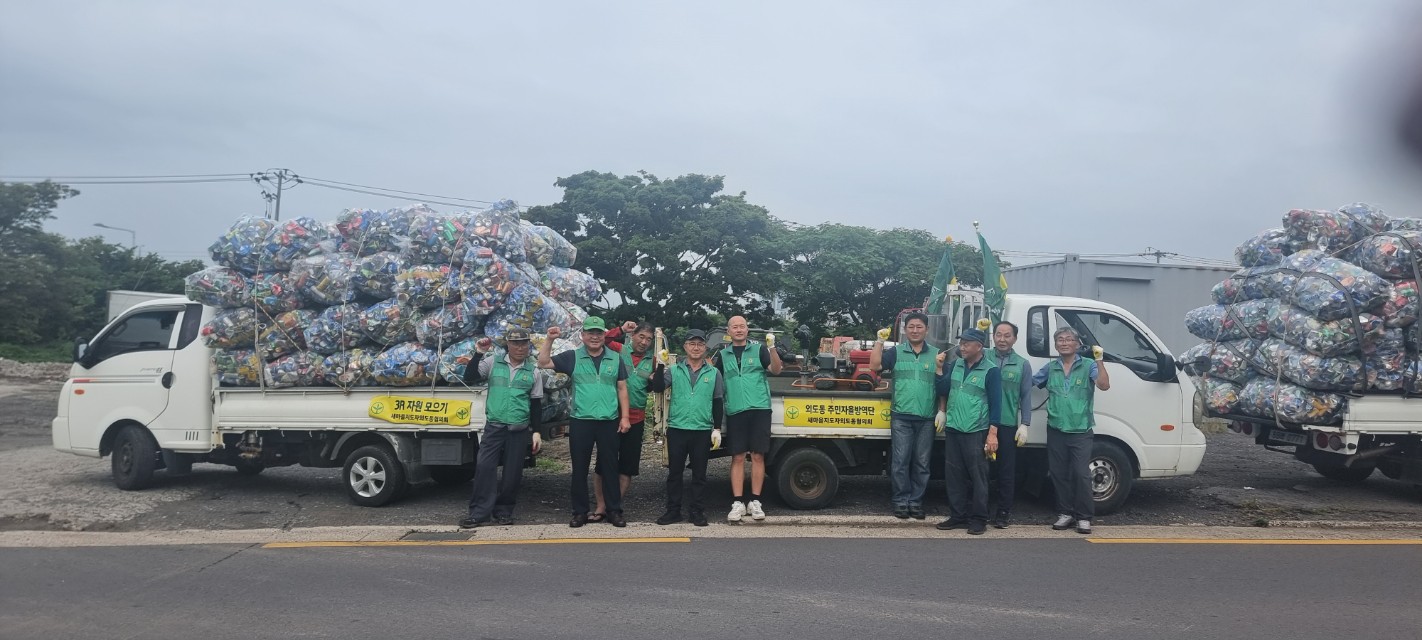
<point x="1097" y="127"/>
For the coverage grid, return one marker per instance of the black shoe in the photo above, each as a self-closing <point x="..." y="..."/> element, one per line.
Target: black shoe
<point x="669" y="517"/>
<point x="977" y="528"/>
<point x="951" y="524"/>
<point x="470" y="523"/>
<point x="916" y="512"/>
<point x="1001" y="521"/>
<point x="698" y="518"/>
<point x="504" y="520"/>
<point x="615" y="519"/>
<point x="901" y="511"/>
<point x="579" y="519"/>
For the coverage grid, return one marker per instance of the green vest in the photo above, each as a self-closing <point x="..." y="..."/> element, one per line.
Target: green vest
<point x="595" y="389"/>
<point x="967" y="400"/>
<point x="1010" y="369"/>
<point x="914" y="392"/>
<point x="746" y="384"/>
<point x="509" y="389"/>
<point x="638" y="377"/>
<point x="691" y="404"/>
<point x="1070" y="398"/>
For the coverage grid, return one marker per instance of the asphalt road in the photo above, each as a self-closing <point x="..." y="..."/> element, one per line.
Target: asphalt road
<point x="800" y="588"/>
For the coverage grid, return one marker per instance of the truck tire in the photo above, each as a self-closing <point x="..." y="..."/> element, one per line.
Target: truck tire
<point x="806" y="478"/>
<point x="248" y="468"/>
<point x="373" y="476"/>
<point x="134" y="458"/>
<point x="450" y="475"/>
<point x="1354" y="474"/>
<point x="1112" y="476"/>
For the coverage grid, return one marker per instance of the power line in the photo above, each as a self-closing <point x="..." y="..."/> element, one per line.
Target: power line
<point x="386" y="195"/>
<point x="155" y="181"/>
<point x="181" y="175"/>
<point x="408" y="193"/>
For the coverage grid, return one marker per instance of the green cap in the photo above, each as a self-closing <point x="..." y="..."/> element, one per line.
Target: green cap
<point x="594" y="323"/>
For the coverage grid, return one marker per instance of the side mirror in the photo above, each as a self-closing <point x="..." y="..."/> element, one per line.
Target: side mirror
<point x="81" y="349"/>
<point x="1166" y="368"/>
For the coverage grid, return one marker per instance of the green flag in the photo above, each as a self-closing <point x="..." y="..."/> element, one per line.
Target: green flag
<point x="943" y="280"/>
<point x="994" y="284"/>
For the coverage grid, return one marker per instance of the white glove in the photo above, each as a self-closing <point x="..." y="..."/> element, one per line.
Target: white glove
<point x="663" y="357"/>
<point x="770" y="340"/>
<point x="939" y="421"/>
<point x="1022" y="435"/>
<point x="1097" y="353"/>
<point x="715" y="438"/>
<point x="884" y="334"/>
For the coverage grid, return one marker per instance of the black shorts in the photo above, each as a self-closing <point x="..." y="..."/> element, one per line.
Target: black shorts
<point x="748" y="431"/>
<point x="629" y="449"/>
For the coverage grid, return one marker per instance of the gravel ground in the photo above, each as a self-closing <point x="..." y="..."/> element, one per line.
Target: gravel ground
<point x="1239" y="484"/>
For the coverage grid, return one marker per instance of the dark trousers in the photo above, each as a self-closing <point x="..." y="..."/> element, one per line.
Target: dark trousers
<point x="1005" y="469"/>
<point x="965" y="472"/>
<point x="1069" y="462"/>
<point x="494" y="496"/>
<point x="582" y="436"/>
<point x="683" y="444"/>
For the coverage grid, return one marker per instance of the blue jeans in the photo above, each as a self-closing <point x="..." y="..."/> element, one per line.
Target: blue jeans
<point x="910" y="444"/>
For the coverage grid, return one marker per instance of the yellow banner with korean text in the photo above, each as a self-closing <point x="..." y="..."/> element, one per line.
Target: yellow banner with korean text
<point x="829" y="413"/>
<point x="421" y="411"/>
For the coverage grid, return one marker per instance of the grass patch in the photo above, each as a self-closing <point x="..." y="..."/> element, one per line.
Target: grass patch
<point x="547" y="463"/>
<point x="52" y="352"/>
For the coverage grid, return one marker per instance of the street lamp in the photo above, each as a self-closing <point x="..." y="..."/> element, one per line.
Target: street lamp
<point x="133" y="236"/>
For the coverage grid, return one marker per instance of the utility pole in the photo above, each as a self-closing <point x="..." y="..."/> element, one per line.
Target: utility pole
<point x="276" y="179"/>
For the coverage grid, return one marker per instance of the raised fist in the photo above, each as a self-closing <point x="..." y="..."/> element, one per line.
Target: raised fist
<point x="554" y="333"/>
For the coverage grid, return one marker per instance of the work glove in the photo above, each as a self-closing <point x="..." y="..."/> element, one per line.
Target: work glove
<point x="940" y="421"/>
<point x="715" y="438"/>
<point x="1097" y="353"/>
<point x="984" y="324"/>
<point x="663" y="357"/>
<point x="1022" y="435"/>
<point x="770" y="340"/>
<point x="884" y="335"/>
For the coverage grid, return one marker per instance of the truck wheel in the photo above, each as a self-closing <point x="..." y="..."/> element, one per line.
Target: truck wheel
<point x="1111" y="476"/>
<point x="452" y="476"/>
<point x="134" y="458"/>
<point x="248" y="467"/>
<point x="373" y="476"/>
<point x="1340" y="473"/>
<point x="807" y="479"/>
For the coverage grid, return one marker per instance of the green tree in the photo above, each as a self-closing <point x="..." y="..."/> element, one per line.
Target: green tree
<point x="670" y="251"/>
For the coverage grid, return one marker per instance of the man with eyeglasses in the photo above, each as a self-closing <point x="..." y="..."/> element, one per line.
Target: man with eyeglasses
<point x="1071" y="386"/>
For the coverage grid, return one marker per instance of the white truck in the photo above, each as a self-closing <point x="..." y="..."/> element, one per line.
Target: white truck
<point x="1144" y="424"/>
<point x="141" y="392"/>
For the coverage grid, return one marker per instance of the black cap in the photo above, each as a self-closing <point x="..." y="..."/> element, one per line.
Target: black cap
<point x="694" y="334"/>
<point x="516" y="334"/>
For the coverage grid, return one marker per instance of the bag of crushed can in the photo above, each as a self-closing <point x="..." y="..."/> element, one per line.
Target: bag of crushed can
<point x="1335" y="289"/>
<point x="570" y="285"/>
<point x="326" y="279"/>
<point x="1269" y="247"/>
<point x="286" y="334"/>
<point x="1204" y="322"/>
<point x="564" y="254"/>
<point x="1253" y="283"/>
<point x="231" y="328"/>
<point x="1222" y="396"/>
<point x="1405" y="224"/>
<point x="237" y="367"/>
<point x="551" y="314"/>
<point x="447" y="325"/>
<point x="525" y="273"/>
<point x="535" y="247"/>
<point x="275" y="294"/>
<point x="1401" y="309"/>
<point x="407" y="364"/>
<point x="221" y="287"/>
<point x="576" y="316"/>
<point x="1248" y="319"/>
<point x="435" y="238"/>
<point x="1385" y="360"/>
<point x="1412" y="375"/>
<point x="553" y="381"/>
<point x="1266" y="398"/>
<point x="1327" y="339"/>
<point x="556" y="404"/>
<point x="1227" y="360"/>
<point x="427" y="286"/>
<point x="1340" y="373"/>
<point x="485" y="280"/>
<point x="498" y="228"/>
<point x="389" y="322"/>
<point x="368" y="231"/>
<point x="336" y="329"/>
<point x="1370" y="219"/>
<point x="454" y="361"/>
<point x="349" y="368"/>
<point x="1396" y="254"/>
<point x="240" y="247"/>
<point x="301" y="369"/>
<point x="376" y="274"/>
<point x="294" y="240"/>
<point x="1328" y="231"/>
<point x="520" y="309"/>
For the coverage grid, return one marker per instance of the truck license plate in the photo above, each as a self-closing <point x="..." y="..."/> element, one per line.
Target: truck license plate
<point x="1287" y="437"/>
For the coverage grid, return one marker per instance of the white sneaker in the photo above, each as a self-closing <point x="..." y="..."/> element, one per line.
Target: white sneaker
<point x="738" y="510"/>
<point x="756" y="512"/>
<point x="1083" y="526"/>
<point x="1064" y="522"/>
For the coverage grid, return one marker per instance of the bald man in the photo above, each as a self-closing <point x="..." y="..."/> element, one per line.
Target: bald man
<point x="744" y="366"/>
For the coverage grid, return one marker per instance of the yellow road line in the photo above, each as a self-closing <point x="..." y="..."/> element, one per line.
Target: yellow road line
<point x="1404" y="541"/>
<point x="463" y="543"/>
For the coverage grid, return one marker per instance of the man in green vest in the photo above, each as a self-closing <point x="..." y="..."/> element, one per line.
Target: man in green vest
<point x="915" y="413"/>
<point x="697" y="409"/>
<point x="510" y="430"/>
<point x="1016" y="375"/>
<point x="744" y="368"/>
<point x="1071" y="388"/>
<point x="974" y="416"/>
<point x="599" y="411"/>
<point x="644" y="375"/>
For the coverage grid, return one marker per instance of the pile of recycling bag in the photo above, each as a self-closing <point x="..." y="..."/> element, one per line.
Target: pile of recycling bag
<point x="1324" y="308"/>
<point x="403" y="297"/>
